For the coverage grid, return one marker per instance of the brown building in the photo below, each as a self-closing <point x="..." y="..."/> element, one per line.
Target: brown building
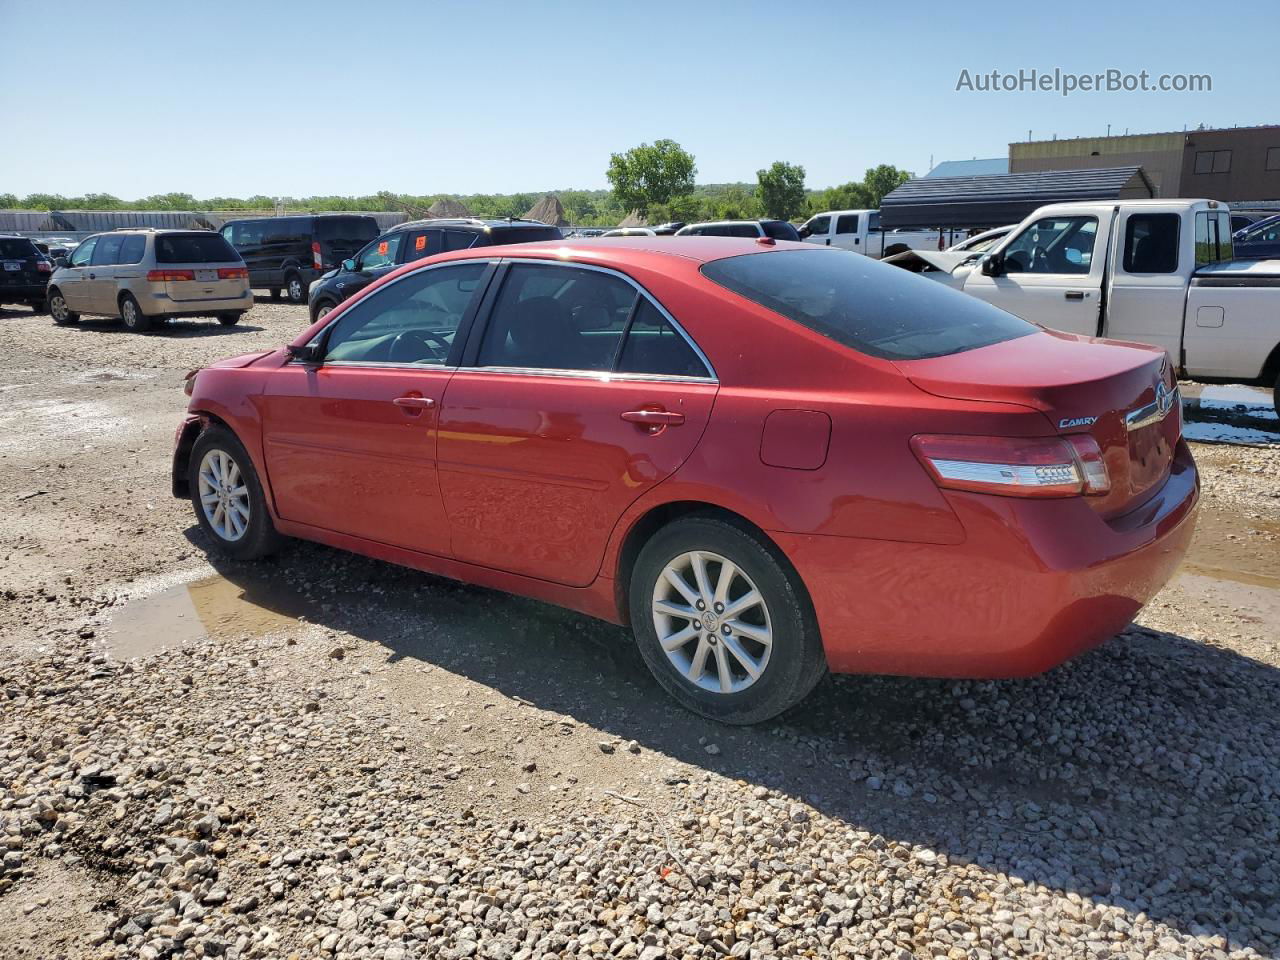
<point x="1234" y="164"/>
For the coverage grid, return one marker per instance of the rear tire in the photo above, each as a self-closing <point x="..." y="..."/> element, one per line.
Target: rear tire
<point x="61" y="313"/>
<point x="39" y="306"/>
<point x="295" y="288"/>
<point x="275" y="293"/>
<point x="230" y="319"/>
<point x="227" y="497"/>
<point x="1275" y="395"/>
<point x="777" y="633"/>
<point x="131" y="314"/>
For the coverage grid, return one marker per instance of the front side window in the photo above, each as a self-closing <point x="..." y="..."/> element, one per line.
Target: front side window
<point x="847" y="223"/>
<point x="864" y="304"/>
<point x="108" y="250"/>
<point x="84" y="252"/>
<point x="1151" y="243"/>
<point x="820" y="226"/>
<point x="413" y="320"/>
<point x="246" y="234"/>
<point x="1059" y="245"/>
<point x="382" y="252"/>
<point x="550" y="317"/>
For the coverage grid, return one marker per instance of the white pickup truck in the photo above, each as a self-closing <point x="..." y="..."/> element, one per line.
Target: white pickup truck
<point x="1151" y="271"/>
<point x="859" y="231"/>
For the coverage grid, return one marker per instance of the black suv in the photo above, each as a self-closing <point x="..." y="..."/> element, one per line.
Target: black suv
<point x="24" y="273"/>
<point x="289" y="252"/>
<point x="411" y="241"/>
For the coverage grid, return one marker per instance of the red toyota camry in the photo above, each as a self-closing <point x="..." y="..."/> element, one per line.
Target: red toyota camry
<point x="770" y="460"/>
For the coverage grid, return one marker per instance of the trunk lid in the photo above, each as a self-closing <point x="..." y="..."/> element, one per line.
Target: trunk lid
<point x="1123" y="394"/>
<point x="207" y="284"/>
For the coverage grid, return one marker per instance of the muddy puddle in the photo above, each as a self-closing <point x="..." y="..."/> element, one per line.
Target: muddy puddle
<point x="1234" y="564"/>
<point x="189" y="612"/>
<point x="1229" y="413"/>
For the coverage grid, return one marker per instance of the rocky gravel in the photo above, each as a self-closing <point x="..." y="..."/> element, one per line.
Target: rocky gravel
<point x="325" y="756"/>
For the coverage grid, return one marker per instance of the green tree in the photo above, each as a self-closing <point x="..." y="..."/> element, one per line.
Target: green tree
<point x="882" y="180"/>
<point x="780" y="190"/>
<point x="847" y="196"/>
<point x="8" y="201"/>
<point x="651" y="175"/>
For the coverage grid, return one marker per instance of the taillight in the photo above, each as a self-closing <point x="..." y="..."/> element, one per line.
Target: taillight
<point x="44" y="266"/>
<point x="233" y="273"/>
<point x="316" y="259"/>
<point x="1015" y="466"/>
<point x="169" y="276"/>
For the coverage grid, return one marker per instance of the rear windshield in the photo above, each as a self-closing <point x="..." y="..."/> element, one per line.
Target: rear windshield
<point x="353" y="230"/>
<point x="194" y="248"/>
<point x="523" y="234"/>
<point x="17" y="247"/>
<point x="873" y="307"/>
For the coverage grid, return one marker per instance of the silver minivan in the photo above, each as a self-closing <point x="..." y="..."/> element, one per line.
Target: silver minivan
<point x="146" y="276"/>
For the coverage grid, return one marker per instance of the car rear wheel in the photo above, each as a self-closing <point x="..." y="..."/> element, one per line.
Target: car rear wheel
<point x="723" y="623"/>
<point x="230" y="319"/>
<point x="295" y="288"/>
<point x="275" y="293"/>
<point x="39" y="306"/>
<point x="58" y="309"/>
<point x="227" y="496"/>
<point x="134" y="319"/>
<point x="1275" y="395"/>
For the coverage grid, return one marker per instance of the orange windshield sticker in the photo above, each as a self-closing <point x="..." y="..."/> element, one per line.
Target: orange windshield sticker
<point x="382" y="249"/>
<point x="420" y="243"/>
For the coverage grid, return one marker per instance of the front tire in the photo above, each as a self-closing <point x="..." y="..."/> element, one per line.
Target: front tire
<point x="1275" y="395"/>
<point x="61" y="313"/>
<point x="723" y="623"/>
<point x="134" y="319"/>
<point x="227" y="496"/>
<point x="295" y="289"/>
<point x="323" y="309"/>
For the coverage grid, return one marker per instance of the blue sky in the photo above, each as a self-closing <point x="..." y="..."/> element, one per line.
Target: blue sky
<point x="284" y="98"/>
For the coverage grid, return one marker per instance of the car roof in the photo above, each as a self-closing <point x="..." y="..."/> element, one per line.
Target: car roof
<point x="469" y="223"/>
<point x="621" y="250"/>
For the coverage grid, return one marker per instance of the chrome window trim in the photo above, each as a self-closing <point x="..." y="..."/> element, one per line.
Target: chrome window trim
<point x="653" y="301"/>
<point x="604" y="376"/>
<point x="390" y="364"/>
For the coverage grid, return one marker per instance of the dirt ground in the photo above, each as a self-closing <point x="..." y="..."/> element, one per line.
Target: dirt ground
<point x="323" y="755"/>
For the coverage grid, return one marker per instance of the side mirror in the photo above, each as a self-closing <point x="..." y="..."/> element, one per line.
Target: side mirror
<point x="993" y="265"/>
<point x="305" y="353"/>
<point x="805" y="232"/>
<point x="349" y="265"/>
<point x="59" y="262"/>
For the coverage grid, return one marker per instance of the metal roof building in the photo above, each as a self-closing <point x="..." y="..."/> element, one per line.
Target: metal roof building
<point x="991" y="201"/>
<point x="970" y="168"/>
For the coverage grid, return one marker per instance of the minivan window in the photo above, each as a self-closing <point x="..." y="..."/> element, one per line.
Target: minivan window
<point x="83" y="252"/>
<point x="557" y="318"/>
<point x="194" y="248"/>
<point x="133" y="248"/>
<point x="108" y="250"/>
<point x="861" y="303"/>
<point x="1151" y="243"/>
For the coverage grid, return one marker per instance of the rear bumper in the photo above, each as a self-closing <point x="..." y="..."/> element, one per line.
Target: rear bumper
<point x="22" y="292"/>
<point x="161" y="304"/>
<point x="1035" y="583"/>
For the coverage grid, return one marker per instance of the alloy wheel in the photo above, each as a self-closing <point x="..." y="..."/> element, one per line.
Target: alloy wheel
<point x="224" y="495"/>
<point x="712" y="622"/>
<point x="58" y="307"/>
<point x="295" y="290"/>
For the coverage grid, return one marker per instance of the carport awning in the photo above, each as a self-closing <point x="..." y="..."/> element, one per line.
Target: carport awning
<point x="992" y="201"/>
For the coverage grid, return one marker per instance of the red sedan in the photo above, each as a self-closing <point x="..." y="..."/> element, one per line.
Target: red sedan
<point x="771" y="460"/>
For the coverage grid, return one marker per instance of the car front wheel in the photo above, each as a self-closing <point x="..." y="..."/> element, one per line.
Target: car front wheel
<point x="58" y="309"/>
<point x="227" y="496"/>
<point x="723" y="623"/>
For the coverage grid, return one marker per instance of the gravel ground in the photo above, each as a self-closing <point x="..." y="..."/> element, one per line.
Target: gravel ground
<point x="325" y="756"/>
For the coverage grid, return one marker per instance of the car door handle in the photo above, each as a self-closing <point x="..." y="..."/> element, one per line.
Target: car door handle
<point x="414" y="403"/>
<point x="654" y="419"/>
<point x="93" y="276"/>
<point x="1074" y="294"/>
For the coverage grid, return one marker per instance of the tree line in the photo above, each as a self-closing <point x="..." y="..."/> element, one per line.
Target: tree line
<point x="654" y="181"/>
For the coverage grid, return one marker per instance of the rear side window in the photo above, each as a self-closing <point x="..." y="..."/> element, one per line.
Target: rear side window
<point x="523" y="234"/>
<point x="194" y="248"/>
<point x="654" y="346"/>
<point x="132" y="249"/>
<point x="286" y="230"/>
<point x="1151" y="243"/>
<point x="861" y="303"/>
<point x="108" y="250"/>
<point x="1213" y="238"/>
<point x="780" y="230"/>
<point x="847" y="223"/>
<point x="557" y="318"/>
<point x="458" y="239"/>
<point x="17" y="247"/>
<point x="355" y="231"/>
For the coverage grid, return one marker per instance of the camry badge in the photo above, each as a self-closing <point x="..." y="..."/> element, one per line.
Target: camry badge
<point x="1077" y="422"/>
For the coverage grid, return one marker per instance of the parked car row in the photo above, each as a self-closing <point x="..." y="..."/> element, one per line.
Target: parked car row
<point x="24" y="272"/>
